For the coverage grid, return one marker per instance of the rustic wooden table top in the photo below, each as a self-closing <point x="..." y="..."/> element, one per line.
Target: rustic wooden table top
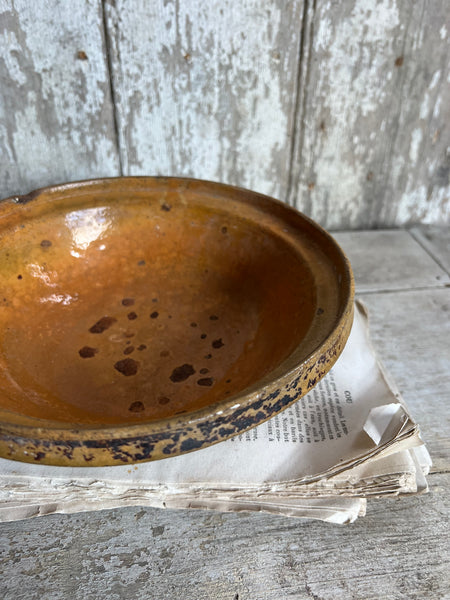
<point x="398" y="551"/>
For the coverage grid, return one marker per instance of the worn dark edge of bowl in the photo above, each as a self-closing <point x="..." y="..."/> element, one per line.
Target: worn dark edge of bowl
<point x="52" y="444"/>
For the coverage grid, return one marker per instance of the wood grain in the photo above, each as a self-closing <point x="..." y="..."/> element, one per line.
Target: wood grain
<point x="396" y="552"/>
<point x="341" y="109"/>
<point x="407" y="291"/>
<point x="389" y="260"/>
<point x="206" y="89"/>
<point x="411" y="331"/>
<point x="373" y="115"/>
<point x="436" y="241"/>
<point x="56" y="117"/>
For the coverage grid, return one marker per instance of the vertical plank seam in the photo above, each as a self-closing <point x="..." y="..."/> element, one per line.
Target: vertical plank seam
<point x="108" y="48"/>
<point x="301" y="90"/>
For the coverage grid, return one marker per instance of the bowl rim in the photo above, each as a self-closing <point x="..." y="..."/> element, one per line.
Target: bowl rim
<point x="43" y="428"/>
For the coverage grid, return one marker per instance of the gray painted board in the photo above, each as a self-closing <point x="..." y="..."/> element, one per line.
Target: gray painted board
<point x="373" y="114"/>
<point x="206" y="89"/>
<point x="340" y="108"/>
<point x="398" y="551"/>
<point x="389" y="260"/>
<point x="411" y="331"/>
<point x="56" y="114"/>
<point x="436" y="241"/>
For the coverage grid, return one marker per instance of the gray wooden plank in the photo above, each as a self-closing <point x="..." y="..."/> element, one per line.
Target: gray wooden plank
<point x="206" y="90"/>
<point x="411" y="331"/>
<point x="373" y="120"/>
<point x="56" y="115"/>
<point x="398" y="551"/>
<point x="389" y="260"/>
<point x="436" y="241"/>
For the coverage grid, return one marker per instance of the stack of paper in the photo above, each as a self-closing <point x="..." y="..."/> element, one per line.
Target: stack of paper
<point x="349" y="439"/>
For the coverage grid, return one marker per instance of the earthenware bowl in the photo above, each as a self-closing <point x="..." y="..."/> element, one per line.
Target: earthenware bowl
<point x="142" y="318"/>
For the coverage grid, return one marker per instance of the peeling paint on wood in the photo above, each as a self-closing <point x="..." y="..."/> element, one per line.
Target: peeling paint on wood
<point x="206" y="89"/>
<point x="373" y="124"/>
<point x="340" y="108"/>
<point x="56" y="118"/>
<point x="418" y="179"/>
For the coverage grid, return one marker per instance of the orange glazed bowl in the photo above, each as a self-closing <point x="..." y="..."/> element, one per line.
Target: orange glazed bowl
<point x="145" y="317"/>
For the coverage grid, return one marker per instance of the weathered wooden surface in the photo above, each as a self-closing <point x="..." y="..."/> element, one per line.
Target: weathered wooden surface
<point x="398" y="551"/>
<point x="341" y="108"/>
<point x="411" y="329"/>
<point x="373" y="114"/>
<point x="436" y="241"/>
<point x="395" y="552"/>
<point x="56" y="114"/>
<point x="390" y="260"/>
<point x="206" y="89"/>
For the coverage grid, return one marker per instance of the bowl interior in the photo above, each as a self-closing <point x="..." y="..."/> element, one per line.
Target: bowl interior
<point x="139" y="301"/>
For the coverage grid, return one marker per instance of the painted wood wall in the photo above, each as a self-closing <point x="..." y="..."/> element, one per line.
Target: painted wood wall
<point x="341" y="108"/>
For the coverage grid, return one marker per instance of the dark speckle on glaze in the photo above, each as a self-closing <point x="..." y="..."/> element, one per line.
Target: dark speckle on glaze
<point x="182" y="373"/>
<point x="154" y="315"/>
<point x="87" y="352"/>
<point x="127" y="366"/>
<point x="217" y="343"/>
<point x="46" y="244"/>
<point x="136" y="407"/>
<point x="102" y="325"/>
<point x="132" y="316"/>
<point x="205" y="381"/>
<point x="128" y="301"/>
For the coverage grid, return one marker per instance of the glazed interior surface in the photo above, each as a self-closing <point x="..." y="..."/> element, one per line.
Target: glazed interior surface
<point x="118" y="307"/>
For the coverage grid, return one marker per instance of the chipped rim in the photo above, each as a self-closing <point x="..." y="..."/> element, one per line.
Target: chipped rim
<point x="50" y="443"/>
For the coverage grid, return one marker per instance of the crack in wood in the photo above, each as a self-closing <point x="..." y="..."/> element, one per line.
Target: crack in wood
<point x="114" y="100"/>
<point x="303" y="73"/>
